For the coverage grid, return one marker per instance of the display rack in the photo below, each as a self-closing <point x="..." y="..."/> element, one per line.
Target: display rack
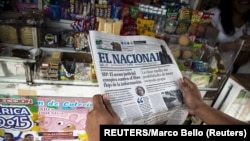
<point x="27" y="84"/>
<point x="228" y="53"/>
<point x="234" y="97"/>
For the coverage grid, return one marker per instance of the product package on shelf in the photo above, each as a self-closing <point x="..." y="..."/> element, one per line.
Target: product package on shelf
<point x="51" y="37"/>
<point x="73" y="39"/>
<point x="9" y="28"/>
<point x="30" y="24"/>
<point x="75" y="66"/>
<point x="49" y="67"/>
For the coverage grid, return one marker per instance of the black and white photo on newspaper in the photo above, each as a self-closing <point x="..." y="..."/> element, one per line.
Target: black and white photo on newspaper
<point x="139" y="74"/>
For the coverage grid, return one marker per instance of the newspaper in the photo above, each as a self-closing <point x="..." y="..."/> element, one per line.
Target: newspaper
<point x="139" y="74"/>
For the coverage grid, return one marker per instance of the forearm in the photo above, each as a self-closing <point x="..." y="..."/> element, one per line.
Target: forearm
<point x="213" y="116"/>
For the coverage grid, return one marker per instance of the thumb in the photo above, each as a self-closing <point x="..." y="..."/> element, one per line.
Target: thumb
<point x="98" y="102"/>
<point x="108" y="105"/>
<point x="183" y="85"/>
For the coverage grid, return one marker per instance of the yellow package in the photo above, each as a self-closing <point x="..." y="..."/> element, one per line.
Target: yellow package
<point x="200" y="79"/>
<point x="145" y="24"/>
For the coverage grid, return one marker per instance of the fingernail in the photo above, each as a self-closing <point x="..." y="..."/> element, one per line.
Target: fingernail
<point x="90" y="109"/>
<point x="105" y="96"/>
<point x="181" y="80"/>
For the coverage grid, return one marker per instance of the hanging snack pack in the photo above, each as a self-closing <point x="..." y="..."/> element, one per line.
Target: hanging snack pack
<point x="8" y="27"/>
<point x="30" y="26"/>
<point x="184" y="20"/>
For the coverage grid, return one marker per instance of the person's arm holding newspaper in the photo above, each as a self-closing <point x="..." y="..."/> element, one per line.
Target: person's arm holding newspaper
<point x="197" y="107"/>
<point x="103" y="112"/>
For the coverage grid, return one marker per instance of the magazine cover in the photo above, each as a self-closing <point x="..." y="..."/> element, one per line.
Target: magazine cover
<point x="18" y="117"/>
<point x="139" y="75"/>
<point x="62" y="115"/>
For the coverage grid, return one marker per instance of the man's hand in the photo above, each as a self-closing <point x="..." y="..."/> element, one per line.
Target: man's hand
<point x="191" y="94"/>
<point x="102" y="113"/>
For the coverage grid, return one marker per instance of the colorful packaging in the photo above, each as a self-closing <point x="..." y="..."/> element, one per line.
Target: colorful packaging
<point x="200" y="79"/>
<point x="19" y="116"/>
<point x="171" y="26"/>
<point x="116" y="11"/>
<point x="144" y="24"/>
<point x="182" y="27"/>
<point x="63" y="114"/>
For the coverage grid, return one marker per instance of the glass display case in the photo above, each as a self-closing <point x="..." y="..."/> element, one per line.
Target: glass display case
<point x="234" y="98"/>
<point x="208" y="66"/>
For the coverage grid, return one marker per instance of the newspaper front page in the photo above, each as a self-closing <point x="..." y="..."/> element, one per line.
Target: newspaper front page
<point x="140" y="75"/>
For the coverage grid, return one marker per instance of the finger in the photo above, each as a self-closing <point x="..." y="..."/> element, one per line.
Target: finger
<point x="98" y="102"/>
<point x="189" y="83"/>
<point x="89" y="117"/>
<point x="183" y="85"/>
<point x="108" y="105"/>
<point x="184" y="89"/>
<point x="186" y="85"/>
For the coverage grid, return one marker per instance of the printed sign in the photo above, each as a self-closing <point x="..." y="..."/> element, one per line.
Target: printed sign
<point x="18" y="117"/>
<point x="63" y="114"/>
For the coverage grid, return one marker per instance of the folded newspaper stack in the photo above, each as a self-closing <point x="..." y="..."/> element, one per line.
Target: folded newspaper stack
<point x="139" y="74"/>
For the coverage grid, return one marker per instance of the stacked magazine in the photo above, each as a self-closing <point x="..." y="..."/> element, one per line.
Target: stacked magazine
<point x="139" y="74"/>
